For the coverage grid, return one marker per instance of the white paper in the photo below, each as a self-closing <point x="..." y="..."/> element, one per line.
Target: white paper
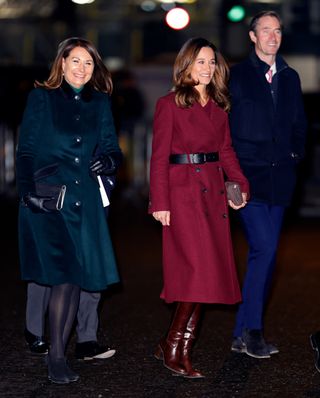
<point x="103" y="193"/>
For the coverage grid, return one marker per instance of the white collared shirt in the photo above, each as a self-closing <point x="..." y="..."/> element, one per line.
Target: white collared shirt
<point x="274" y="70"/>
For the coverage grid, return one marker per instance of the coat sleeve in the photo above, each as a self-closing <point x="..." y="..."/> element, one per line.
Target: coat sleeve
<point x="161" y="150"/>
<point x="29" y="140"/>
<point x="108" y="143"/>
<point x="229" y="160"/>
<point x="299" y="125"/>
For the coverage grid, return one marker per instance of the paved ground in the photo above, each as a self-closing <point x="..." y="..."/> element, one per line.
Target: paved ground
<point x="133" y="319"/>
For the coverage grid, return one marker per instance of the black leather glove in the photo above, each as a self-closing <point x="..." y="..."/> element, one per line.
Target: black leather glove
<point x="103" y="164"/>
<point x="36" y="203"/>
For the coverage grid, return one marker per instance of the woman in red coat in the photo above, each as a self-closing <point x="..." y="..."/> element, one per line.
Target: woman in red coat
<point x="191" y="153"/>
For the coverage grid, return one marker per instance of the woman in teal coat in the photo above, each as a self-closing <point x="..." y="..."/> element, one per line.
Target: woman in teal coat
<point x="67" y="141"/>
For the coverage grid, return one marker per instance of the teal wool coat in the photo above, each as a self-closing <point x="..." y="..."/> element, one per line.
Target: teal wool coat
<point x="58" y="136"/>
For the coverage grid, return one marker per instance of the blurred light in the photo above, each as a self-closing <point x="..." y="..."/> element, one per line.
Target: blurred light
<point x="114" y="63"/>
<point x="82" y="1"/>
<point x="236" y="13"/>
<point x="177" y="1"/>
<point x="167" y="6"/>
<point x="148" y="5"/>
<point x="177" y="18"/>
<point x="266" y="1"/>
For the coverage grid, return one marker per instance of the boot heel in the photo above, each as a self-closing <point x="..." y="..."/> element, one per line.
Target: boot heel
<point x="158" y="354"/>
<point x="313" y="344"/>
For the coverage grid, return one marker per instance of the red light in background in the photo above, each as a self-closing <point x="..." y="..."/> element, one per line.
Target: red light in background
<point x="177" y="18"/>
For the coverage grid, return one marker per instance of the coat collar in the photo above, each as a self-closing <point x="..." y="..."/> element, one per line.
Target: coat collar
<point x="67" y="92"/>
<point x="258" y="63"/>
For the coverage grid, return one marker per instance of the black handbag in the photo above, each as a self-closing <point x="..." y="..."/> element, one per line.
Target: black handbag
<point x="234" y="192"/>
<point x="56" y="193"/>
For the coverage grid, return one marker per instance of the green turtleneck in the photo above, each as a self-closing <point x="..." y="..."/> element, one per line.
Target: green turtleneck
<point x="75" y="89"/>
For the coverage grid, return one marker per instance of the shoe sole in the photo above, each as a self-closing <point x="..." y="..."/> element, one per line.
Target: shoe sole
<point x="257" y="356"/>
<point x="38" y="354"/>
<point x="55" y="381"/>
<point x="238" y="350"/>
<point x="243" y="351"/>
<point x="104" y="355"/>
<point x="315" y="348"/>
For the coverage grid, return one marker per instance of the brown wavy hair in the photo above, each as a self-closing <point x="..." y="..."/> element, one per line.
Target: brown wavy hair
<point x="101" y="77"/>
<point x="184" y="85"/>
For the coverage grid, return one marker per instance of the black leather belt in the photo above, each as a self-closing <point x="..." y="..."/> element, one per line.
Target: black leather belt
<point x="194" y="158"/>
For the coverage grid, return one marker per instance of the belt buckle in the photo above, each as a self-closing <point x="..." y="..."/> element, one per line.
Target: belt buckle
<point x="198" y="158"/>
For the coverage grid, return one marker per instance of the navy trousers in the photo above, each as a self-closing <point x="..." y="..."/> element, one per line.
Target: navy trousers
<point x="262" y="225"/>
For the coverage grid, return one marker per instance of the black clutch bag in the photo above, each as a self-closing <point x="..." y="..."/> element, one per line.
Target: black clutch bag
<point x="55" y="193"/>
<point x="234" y="192"/>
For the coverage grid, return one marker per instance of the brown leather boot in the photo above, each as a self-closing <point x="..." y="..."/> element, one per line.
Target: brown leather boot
<point x="186" y="344"/>
<point x="169" y="349"/>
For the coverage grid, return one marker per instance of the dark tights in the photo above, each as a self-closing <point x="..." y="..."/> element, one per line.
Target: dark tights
<point x="63" y="305"/>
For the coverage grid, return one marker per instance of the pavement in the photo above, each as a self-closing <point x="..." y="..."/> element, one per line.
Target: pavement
<point x="133" y="318"/>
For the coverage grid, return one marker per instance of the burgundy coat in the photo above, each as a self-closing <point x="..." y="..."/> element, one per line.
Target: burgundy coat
<point x="198" y="263"/>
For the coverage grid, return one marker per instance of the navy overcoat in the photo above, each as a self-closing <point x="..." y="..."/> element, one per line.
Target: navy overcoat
<point x="268" y="134"/>
<point x="59" y="134"/>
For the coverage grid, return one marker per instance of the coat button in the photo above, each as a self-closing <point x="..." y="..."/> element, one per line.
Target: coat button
<point x="77" y="97"/>
<point x="224" y="215"/>
<point x="77" y="182"/>
<point x="198" y="169"/>
<point x="76" y="160"/>
<point x="273" y="164"/>
<point x="204" y="190"/>
<point x="77" y="117"/>
<point x="78" y="203"/>
<point x="78" y="139"/>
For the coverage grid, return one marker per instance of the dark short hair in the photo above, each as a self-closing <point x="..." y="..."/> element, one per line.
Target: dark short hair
<point x="255" y="20"/>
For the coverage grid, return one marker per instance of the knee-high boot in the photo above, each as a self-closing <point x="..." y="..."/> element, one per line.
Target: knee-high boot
<point x="169" y="349"/>
<point x="187" y="342"/>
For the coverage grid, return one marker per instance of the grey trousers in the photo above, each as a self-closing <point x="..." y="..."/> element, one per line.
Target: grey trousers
<point x="87" y="316"/>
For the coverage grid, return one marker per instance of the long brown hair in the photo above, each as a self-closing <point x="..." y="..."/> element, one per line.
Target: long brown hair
<point x="184" y="85"/>
<point x="101" y="77"/>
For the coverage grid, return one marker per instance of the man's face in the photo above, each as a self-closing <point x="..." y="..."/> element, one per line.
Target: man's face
<point x="267" y="37"/>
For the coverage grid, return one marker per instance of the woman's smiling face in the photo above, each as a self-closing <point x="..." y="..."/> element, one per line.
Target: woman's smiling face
<point x="78" y="67"/>
<point x="203" y="67"/>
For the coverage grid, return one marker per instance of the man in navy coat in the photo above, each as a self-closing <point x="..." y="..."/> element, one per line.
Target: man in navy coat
<point x="268" y="128"/>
